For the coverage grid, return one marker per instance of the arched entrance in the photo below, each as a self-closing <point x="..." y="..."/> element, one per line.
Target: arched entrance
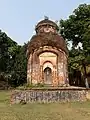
<point x="48" y="75"/>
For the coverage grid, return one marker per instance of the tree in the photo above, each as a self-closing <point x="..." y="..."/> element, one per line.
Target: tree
<point x="13" y="61"/>
<point x="77" y="30"/>
<point x="19" y="71"/>
<point x="5" y="44"/>
<point x="77" y="27"/>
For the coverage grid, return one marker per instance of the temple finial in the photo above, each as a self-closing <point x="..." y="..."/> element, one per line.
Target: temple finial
<point x="46" y="17"/>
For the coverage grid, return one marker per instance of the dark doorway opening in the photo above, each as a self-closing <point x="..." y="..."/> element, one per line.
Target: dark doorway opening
<point x="48" y="75"/>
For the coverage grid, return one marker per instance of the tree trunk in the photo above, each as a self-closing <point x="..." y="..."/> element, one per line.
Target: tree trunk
<point x="85" y="76"/>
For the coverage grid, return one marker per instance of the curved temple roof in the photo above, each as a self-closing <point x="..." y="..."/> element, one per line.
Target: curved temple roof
<point x="46" y="39"/>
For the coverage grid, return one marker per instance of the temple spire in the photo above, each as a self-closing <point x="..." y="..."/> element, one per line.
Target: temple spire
<point x="46" y="18"/>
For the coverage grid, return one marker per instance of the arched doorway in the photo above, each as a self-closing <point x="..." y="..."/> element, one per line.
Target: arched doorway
<point x="48" y="75"/>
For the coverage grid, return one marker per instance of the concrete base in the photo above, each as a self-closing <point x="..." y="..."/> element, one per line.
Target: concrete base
<point x="53" y="94"/>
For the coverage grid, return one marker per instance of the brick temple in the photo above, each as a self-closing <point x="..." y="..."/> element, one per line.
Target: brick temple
<point x="47" y="56"/>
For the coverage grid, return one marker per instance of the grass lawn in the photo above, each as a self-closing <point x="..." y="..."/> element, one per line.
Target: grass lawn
<point x="37" y="111"/>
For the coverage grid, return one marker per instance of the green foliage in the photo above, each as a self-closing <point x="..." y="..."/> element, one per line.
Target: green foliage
<point x="5" y="44"/>
<point x="12" y="61"/>
<point x="34" y="86"/>
<point x="77" y="30"/>
<point x="77" y="26"/>
<point x="19" y="73"/>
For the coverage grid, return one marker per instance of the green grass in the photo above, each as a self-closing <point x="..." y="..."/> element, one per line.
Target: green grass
<point x="37" y="111"/>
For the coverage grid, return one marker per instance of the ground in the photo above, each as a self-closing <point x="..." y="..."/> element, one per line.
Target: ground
<point x="37" y="111"/>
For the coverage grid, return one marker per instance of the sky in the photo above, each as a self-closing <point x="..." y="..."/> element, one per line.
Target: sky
<point x="19" y="17"/>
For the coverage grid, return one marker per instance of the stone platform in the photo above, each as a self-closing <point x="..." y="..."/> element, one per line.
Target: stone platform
<point x="51" y="94"/>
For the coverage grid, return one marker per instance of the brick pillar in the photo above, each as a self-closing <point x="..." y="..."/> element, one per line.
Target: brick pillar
<point x="61" y="80"/>
<point x="41" y="75"/>
<point x="29" y="70"/>
<point x="34" y="69"/>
